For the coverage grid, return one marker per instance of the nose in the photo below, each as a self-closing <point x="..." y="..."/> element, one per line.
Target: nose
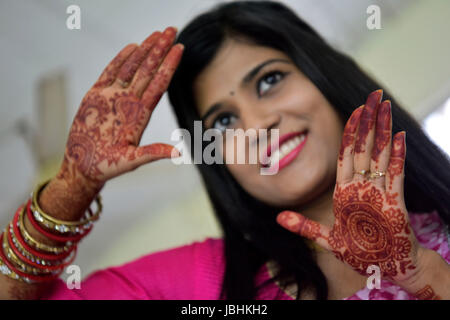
<point x="260" y="119"/>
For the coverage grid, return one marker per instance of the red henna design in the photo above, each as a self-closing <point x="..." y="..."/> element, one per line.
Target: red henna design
<point x="162" y="78"/>
<point x="427" y="293"/>
<point x="151" y="63"/>
<point x="396" y="162"/>
<point x="108" y="126"/>
<point x="109" y="74"/>
<point x="367" y="231"/>
<point x="396" y="218"/>
<point x="367" y="121"/>
<point x="132" y="64"/>
<point x="299" y="224"/>
<point x="391" y="198"/>
<point x="349" y="131"/>
<point x="383" y="130"/>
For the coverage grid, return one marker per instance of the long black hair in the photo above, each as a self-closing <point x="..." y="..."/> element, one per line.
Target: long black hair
<point x="251" y="234"/>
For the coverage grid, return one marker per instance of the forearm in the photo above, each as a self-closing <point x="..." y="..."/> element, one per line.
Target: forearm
<point x="61" y="200"/>
<point x="432" y="281"/>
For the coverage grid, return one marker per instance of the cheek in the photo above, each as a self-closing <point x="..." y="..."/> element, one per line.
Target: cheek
<point x="329" y="129"/>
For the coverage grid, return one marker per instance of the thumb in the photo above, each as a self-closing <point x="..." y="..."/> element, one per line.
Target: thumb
<point x="152" y="152"/>
<point x="299" y="224"/>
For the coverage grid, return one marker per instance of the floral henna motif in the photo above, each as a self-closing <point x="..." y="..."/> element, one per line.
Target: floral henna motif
<point x="368" y="232"/>
<point x="391" y="198"/>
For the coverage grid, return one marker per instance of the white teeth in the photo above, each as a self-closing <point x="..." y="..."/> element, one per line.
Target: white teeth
<point x="285" y="149"/>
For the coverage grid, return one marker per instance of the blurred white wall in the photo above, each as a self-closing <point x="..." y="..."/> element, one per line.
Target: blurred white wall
<point x="162" y="205"/>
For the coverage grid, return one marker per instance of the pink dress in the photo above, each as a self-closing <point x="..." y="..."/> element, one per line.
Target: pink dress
<point x="195" y="271"/>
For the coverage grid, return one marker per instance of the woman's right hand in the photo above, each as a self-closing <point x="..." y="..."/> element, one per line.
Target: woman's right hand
<point x="104" y="138"/>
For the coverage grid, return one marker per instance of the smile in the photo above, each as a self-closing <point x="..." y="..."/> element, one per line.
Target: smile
<point x="289" y="147"/>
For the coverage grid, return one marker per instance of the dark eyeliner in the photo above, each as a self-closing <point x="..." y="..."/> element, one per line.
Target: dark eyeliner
<point x="268" y="73"/>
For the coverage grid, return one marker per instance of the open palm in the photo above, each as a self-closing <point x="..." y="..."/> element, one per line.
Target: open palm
<point x="105" y="134"/>
<point x="371" y="225"/>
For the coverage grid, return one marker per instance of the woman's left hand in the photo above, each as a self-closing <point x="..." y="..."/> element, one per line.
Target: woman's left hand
<point x="371" y="225"/>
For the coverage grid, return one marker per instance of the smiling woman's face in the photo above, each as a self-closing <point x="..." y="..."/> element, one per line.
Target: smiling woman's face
<point x="254" y="87"/>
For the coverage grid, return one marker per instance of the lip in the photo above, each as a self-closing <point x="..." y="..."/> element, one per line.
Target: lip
<point x="291" y="155"/>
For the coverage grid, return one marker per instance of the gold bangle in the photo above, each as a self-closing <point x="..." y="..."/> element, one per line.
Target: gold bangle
<point x="4" y="269"/>
<point x="78" y="227"/>
<point x="28" y="255"/>
<point x="24" y="267"/>
<point x="36" y="244"/>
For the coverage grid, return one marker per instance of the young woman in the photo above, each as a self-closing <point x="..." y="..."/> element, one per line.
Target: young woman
<point x="344" y="203"/>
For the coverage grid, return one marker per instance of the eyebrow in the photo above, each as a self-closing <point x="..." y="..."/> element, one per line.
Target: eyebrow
<point x="247" y="78"/>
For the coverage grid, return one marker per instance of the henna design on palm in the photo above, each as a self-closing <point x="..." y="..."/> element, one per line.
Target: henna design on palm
<point x="371" y="225"/>
<point x="104" y="137"/>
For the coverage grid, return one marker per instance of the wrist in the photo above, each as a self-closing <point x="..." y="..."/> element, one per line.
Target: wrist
<point x="68" y="199"/>
<point x="432" y="276"/>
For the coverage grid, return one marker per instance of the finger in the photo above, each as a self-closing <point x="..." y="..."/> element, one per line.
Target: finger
<point x="395" y="172"/>
<point x="109" y="74"/>
<point x="152" y="61"/>
<point x="297" y="223"/>
<point x="366" y="133"/>
<point x="382" y="147"/>
<point x="128" y="69"/>
<point x="158" y="85"/>
<point x="345" y="160"/>
<point x="149" y="153"/>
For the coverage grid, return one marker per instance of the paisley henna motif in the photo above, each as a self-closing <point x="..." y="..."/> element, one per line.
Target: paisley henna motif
<point x="105" y="134"/>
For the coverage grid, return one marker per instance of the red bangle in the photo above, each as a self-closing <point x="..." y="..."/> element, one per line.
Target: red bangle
<point x="43" y="256"/>
<point x="51" y="235"/>
<point x="40" y="278"/>
<point x="32" y="263"/>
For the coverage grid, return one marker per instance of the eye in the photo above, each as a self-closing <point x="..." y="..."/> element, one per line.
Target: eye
<point x="224" y="120"/>
<point x="268" y="80"/>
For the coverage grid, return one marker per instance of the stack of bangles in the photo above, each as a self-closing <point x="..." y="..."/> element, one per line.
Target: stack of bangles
<point x="26" y="259"/>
